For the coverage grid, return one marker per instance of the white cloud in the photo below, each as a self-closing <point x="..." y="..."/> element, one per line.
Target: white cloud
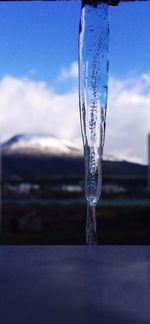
<point x="29" y="106"/>
<point x="69" y="73"/>
<point x="128" y="118"/>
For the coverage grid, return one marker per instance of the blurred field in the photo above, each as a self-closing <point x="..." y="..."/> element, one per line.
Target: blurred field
<point x="43" y="201"/>
<point x="59" y="216"/>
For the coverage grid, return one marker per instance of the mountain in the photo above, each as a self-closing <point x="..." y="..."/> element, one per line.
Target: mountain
<point x="31" y="157"/>
<point x="36" y="156"/>
<point x="37" y="144"/>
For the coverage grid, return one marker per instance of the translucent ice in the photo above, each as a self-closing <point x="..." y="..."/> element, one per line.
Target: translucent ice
<point x="93" y="82"/>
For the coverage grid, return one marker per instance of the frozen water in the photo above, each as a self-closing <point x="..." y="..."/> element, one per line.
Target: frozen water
<point x="93" y="83"/>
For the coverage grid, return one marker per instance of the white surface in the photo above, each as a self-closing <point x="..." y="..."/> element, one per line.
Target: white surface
<point x="70" y="285"/>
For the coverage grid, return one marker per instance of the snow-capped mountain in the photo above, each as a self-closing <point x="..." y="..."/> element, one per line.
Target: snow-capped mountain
<point x="111" y="158"/>
<point x="39" y="144"/>
<point x="36" y="156"/>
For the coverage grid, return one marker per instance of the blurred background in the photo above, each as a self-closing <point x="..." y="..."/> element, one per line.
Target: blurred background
<point x="42" y="167"/>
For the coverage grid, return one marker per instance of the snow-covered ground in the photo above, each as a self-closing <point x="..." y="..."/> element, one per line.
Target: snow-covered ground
<point x="71" y="285"/>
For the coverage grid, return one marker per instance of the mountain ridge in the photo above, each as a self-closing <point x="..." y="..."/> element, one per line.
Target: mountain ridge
<point x="24" y="158"/>
<point x="37" y="144"/>
<point x="46" y="144"/>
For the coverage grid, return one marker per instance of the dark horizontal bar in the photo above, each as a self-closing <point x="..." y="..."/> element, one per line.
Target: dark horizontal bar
<point x="90" y="1"/>
<point x="84" y="2"/>
<point x="110" y="2"/>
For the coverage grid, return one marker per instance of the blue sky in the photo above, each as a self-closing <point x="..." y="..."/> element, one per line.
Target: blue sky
<point x="39" y="36"/>
<point x="129" y="38"/>
<point x="43" y="36"/>
<point x="39" y="45"/>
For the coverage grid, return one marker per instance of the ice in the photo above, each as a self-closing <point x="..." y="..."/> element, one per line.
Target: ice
<point x="93" y="85"/>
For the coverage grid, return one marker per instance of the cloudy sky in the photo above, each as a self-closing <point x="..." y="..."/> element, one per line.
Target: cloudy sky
<point x="39" y="74"/>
